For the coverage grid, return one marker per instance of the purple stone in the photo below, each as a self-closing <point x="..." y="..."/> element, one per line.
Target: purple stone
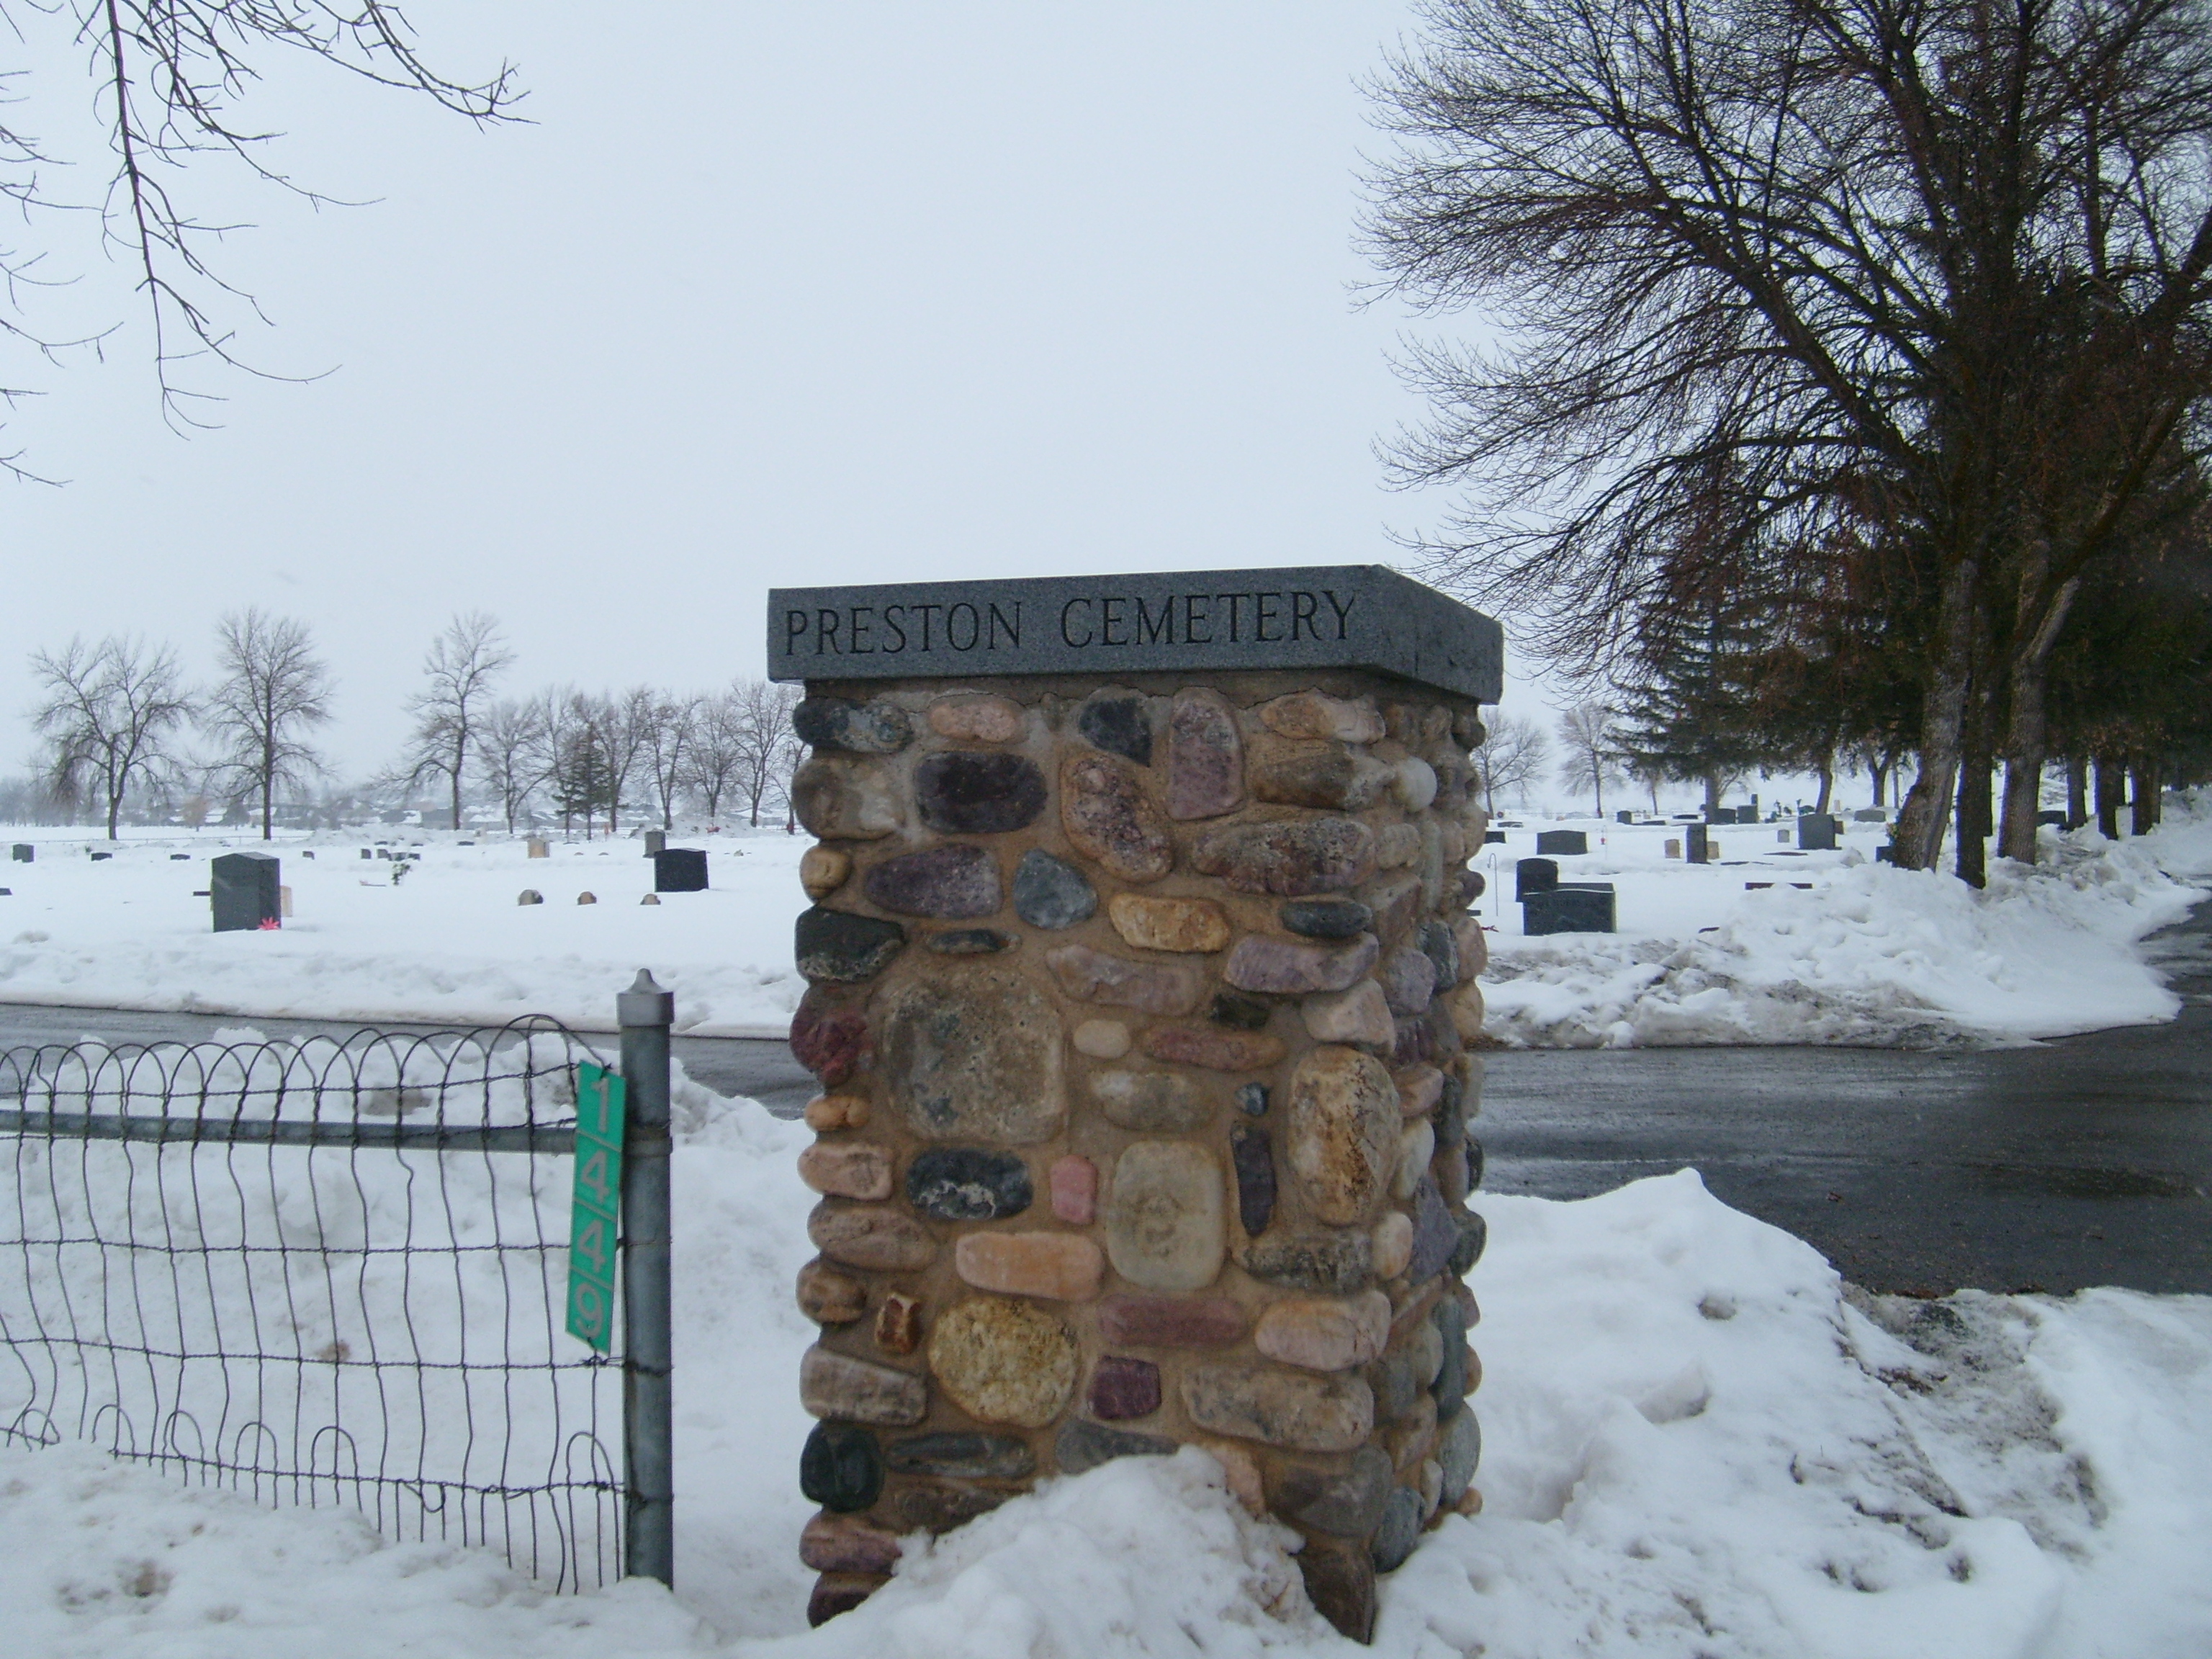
<point x="1123" y="1388"/>
<point x="1435" y="1235"/>
<point x="1255" y="1178"/>
<point x="949" y="881"/>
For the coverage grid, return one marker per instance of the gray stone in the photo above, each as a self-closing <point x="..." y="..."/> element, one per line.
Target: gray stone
<point x="839" y="1467"/>
<point x="1052" y="893"/>
<point x="1345" y="1503"/>
<point x="870" y="1235"/>
<point x="978" y="793"/>
<point x="1119" y="726"/>
<point x="836" y="1385"/>
<point x="1459" y="1449"/>
<point x="1399" y="1531"/>
<point x="1108" y="817"/>
<point x="949" y="883"/>
<point x="1341" y="1583"/>
<point x="968" y="1183"/>
<point x="1396" y="902"/>
<point x="1327" y="918"/>
<point x="1451" y="1386"/>
<point x="1082" y="1446"/>
<point x="1296" y="1410"/>
<point x="976" y="1056"/>
<point x="1163" y="1217"/>
<point x="1150" y="988"/>
<point x="1435" y="1233"/>
<point x="1408" y="980"/>
<point x="1291" y="968"/>
<point x="839" y="946"/>
<point x="841" y="799"/>
<point x="1333" y="779"/>
<point x="1342" y="1143"/>
<point x="1312" y="855"/>
<point x="1474" y="1233"/>
<point x="1206" y="757"/>
<point x="962" y="1457"/>
<point x="1252" y="1099"/>
<point x="869" y="728"/>
<point x="1152" y="1102"/>
<point x="932" y="1508"/>
<point x="1339" y="1261"/>
<point x="1442" y="951"/>
<point x="1255" y="1161"/>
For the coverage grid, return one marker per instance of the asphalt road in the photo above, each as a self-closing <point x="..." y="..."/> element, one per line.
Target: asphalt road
<point x="2085" y="1161"/>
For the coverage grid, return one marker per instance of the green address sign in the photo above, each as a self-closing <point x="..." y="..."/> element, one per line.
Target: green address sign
<point x="595" y="1218"/>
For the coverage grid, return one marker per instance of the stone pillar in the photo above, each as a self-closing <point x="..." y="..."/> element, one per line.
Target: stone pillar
<point x="1141" y="1001"/>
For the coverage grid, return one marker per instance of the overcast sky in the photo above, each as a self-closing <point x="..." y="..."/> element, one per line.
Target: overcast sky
<point x="767" y="293"/>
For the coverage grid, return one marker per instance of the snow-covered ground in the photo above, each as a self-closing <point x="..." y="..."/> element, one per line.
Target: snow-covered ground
<point x="1698" y="1441"/>
<point x="1860" y="953"/>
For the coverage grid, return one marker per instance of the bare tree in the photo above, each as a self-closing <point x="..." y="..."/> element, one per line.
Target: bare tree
<point x="270" y="688"/>
<point x="1593" y="753"/>
<point x="716" y="758"/>
<point x="105" y="713"/>
<point x="461" y="664"/>
<point x="764" y="717"/>
<point x="671" y="727"/>
<point x="511" y="759"/>
<point x="1511" y="758"/>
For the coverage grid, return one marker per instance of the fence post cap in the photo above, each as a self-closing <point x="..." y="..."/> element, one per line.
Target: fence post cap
<point x="645" y="1003"/>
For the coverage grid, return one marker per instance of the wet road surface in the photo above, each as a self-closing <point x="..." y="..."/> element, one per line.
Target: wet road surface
<point x="2085" y="1161"/>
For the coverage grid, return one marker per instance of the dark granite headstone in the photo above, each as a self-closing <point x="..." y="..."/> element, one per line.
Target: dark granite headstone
<point x="1698" y="849"/>
<point x="2058" y="819"/>
<point x="1494" y="838"/>
<point x="1582" y="907"/>
<point x="679" y="870"/>
<point x="24" y="851"/>
<point x="243" y="892"/>
<point x="1816" y="832"/>
<point x="1567" y="841"/>
<point x="1534" y="876"/>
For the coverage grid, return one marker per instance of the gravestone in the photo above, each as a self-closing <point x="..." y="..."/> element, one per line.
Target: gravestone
<point x="1534" y="876"/>
<point x="679" y="870"/>
<point x="1623" y="818"/>
<point x="1142" y="980"/>
<point x="243" y="892"/>
<point x="1700" y="849"/>
<point x="536" y="847"/>
<point x="1569" y="842"/>
<point x="1583" y="907"/>
<point x="2057" y="819"/>
<point x="1816" y="832"/>
<point x="1494" y="838"/>
<point x="24" y="853"/>
<point x="1674" y="849"/>
<point x="1869" y="815"/>
<point x="656" y="842"/>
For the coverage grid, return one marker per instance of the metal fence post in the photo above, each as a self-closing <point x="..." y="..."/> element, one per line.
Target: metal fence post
<point x="645" y="1013"/>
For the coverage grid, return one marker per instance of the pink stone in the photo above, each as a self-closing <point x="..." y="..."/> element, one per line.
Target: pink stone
<point x="1074" y="1182"/>
<point x="1058" y="1267"/>
<point x="1206" y="757"/>
<point x="845" y="1543"/>
<point x="1216" y="1050"/>
<point x="1418" y="1090"/>
<point x="1171" y="1321"/>
<point x="1359" y="1015"/>
<point x="1123" y="1388"/>
<point x="1150" y="988"/>
<point x="831" y="1042"/>
<point x="1408" y="979"/>
<point x="1290" y="967"/>
<point x="847" y="1168"/>
<point x="1318" y="1333"/>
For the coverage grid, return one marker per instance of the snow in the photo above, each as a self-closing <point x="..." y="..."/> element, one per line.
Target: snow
<point x="1698" y="1441"/>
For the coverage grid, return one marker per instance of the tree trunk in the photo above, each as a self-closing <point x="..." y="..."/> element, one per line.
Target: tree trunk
<point x="2027" y="727"/>
<point x="1920" y="836"/>
<point x="1975" y="760"/>
<point x="1826" y="773"/>
<point x="1878" y="774"/>
<point x="2077" y="792"/>
<point x="2146" y="776"/>
<point x="268" y="805"/>
<point x="2112" y="793"/>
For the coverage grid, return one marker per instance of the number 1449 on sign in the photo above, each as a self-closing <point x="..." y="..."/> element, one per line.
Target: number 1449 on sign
<point x="595" y="1217"/>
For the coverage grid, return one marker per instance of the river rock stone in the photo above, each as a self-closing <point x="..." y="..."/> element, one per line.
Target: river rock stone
<point x="1333" y="1259"/>
<point x="1435" y="1233"/>
<point x="1343" y="1135"/>
<point x="1341" y="1583"/>
<point x="1412" y="1041"/>
<point x="1394" y="1244"/>
<point x="1315" y="855"/>
<point x="847" y="1168"/>
<point x="1150" y="988"/>
<point x="1239" y="1011"/>
<point x="1169" y="924"/>
<point x="1074" y="1183"/>
<point x="961" y="792"/>
<point x="1255" y="1162"/>
<point x="1101" y="1039"/>
<point x="949" y="883"/>
<point x="1290" y="967"/>
<point x="1473" y="1163"/>
<point x="958" y="1457"/>
<point x="1417" y="1144"/>
<point x="1082" y="1446"/>
<point x="1121" y="1386"/>
<point x="1216" y="1051"/>
<point x="1474" y="947"/>
<point x="839" y="1543"/>
<point x="1252" y="1099"/>
<point x="976" y="719"/>
<point x="932" y="1508"/>
<point x="1459" y="1449"/>
<point x="1408" y="980"/>
<point x="1314" y="715"/>
<point x="1430" y="866"/>
<point x="1359" y="1015"/>
<point x="835" y="1594"/>
<point x="1110" y="819"/>
<point x="1466" y="1007"/>
<point x="1396" y="846"/>
<point x="870" y="1235"/>
<point x="1474" y="1233"/>
<point x="1119" y="726"/>
<point x="1152" y="1102"/>
<point x="828" y="1041"/>
<point x="1166" y="1322"/>
<point x="1333" y="779"/>
<point x="1399" y="1531"/>
<point x="971" y="942"/>
<point x="1415" y="784"/>
<point x="1052" y="893"/>
<point x="1206" y="757"/>
<point x="898" y="1324"/>
<point x="1163" y="1217"/>
<point x="836" y="1385"/>
<point x="862" y="728"/>
<point x="974" y="1057"/>
<point x="838" y="799"/>
<point x="839" y="946"/>
<point x="1295" y="1410"/>
<point x="839" y="1467"/>
<point x="1395" y="901"/>
<point x="823" y="870"/>
<point x="1450" y="1390"/>
<point x="1056" y="1267"/>
<point x="1003" y="1361"/>
<point x="828" y="1297"/>
<point x="1451" y="1116"/>
<point x="967" y="1184"/>
<point x="1344" y="1503"/>
<point x="1420" y="1089"/>
<point x="1443" y="951"/>
<point x="1318" y="1334"/>
<point x="1326" y="918"/>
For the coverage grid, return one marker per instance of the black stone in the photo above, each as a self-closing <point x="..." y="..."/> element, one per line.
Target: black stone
<point x="964" y="792"/>
<point x="1534" y="876"/>
<point x="1083" y="1445"/>
<point x="1252" y="1099"/>
<point x="1399" y="1531"/>
<point x="1245" y="1013"/>
<point x="1473" y="1164"/>
<point x="1566" y="843"/>
<point x="1450" y="1387"/>
<point x="680" y="870"/>
<point x="1341" y="1585"/>
<point x="1345" y="1503"/>
<point x="965" y="1184"/>
<point x="874" y="728"/>
<point x="837" y="945"/>
<point x="243" y="892"/>
<point x="1472" y="885"/>
<point x="970" y="942"/>
<point x="1585" y="909"/>
<point x="840" y="1469"/>
<point x="962" y="1456"/>
<point x="1474" y="1233"/>
<point x="1255" y="1178"/>
<point x="1050" y="892"/>
<point x="1118" y="725"/>
<point x="1442" y="949"/>
<point x="1435" y="1235"/>
<point x="1327" y="918"/>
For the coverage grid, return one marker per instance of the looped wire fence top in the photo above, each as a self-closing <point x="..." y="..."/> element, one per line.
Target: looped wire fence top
<point x="317" y="1272"/>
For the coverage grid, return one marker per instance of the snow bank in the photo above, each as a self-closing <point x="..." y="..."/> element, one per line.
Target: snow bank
<point x="1699" y="1441"/>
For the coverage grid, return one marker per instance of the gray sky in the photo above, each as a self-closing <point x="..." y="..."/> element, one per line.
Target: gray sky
<point x="770" y="293"/>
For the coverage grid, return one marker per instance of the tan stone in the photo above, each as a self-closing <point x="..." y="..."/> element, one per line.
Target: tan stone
<point x="898" y="1325"/>
<point x="1413" y="1438"/>
<point x="847" y="1168"/>
<point x="1169" y="924"/>
<point x="852" y="1391"/>
<point x="1240" y="1472"/>
<point x="823" y="870"/>
<point x="1152" y="1101"/>
<point x="1474" y="947"/>
<point x="1419" y="1088"/>
<point x="1110" y="819"/>
<point x="841" y="799"/>
<point x="1394" y="1244"/>
<point x="829" y="1298"/>
<point x="1004" y="1361"/>
<point x="1102" y="1039"/>
<point x="1150" y="988"/>
<point x="870" y="1235"/>
<point x="1417" y="1144"/>
<point x="1397" y="846"/>
<point x="976" y="719"/>
<point x="845" y="1543"/>
<point x="1297" y="1410"/>
<point x="1213" y="1048"/>
<point x="828" y="1113"/>
<point x="1059" y="1267"/>
<point x="1466" y="1012"/>
<point x="1359" y="1015"/>
<point x="1325" y="1334"/>
<point x="1312" y="714"/>
<point x="1165" y="1219"/>
<point x="1344" y="1124"/>
<point x="977" y="1056"/>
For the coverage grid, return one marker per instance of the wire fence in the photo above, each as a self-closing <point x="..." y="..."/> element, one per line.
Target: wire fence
<point x="321" y="1272"/>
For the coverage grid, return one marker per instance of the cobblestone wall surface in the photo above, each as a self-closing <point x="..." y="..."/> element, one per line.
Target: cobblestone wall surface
<point x="1141" y="1013"/>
